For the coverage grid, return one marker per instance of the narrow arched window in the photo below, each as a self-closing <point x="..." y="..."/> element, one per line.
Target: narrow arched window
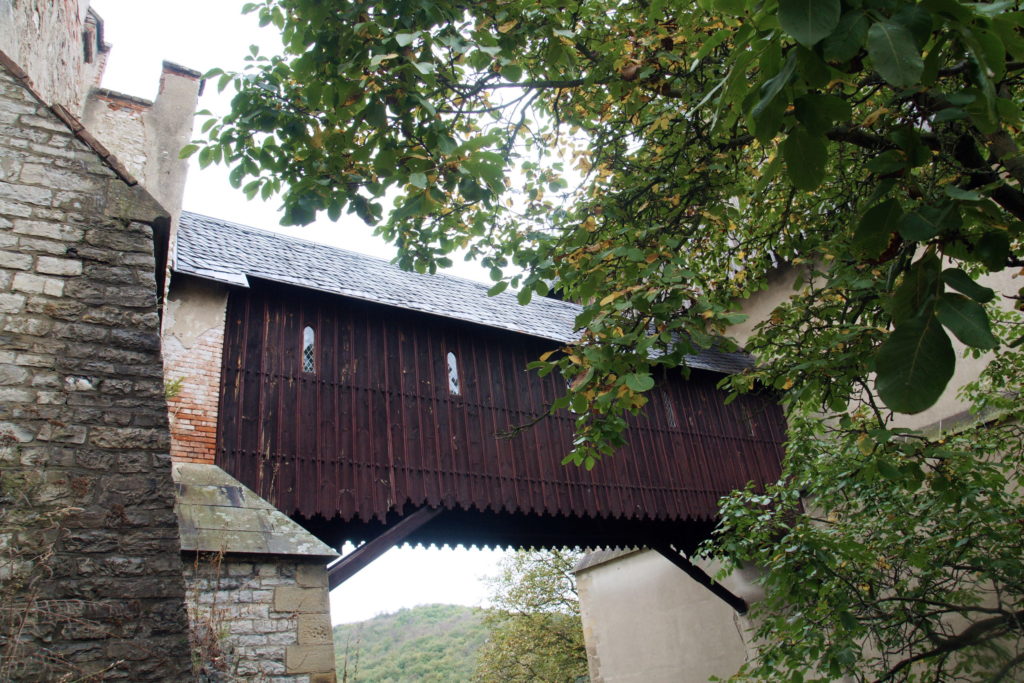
<point x="670" y="412"/>
<point x="308" y="350"/>
<point x="453" y="375"/>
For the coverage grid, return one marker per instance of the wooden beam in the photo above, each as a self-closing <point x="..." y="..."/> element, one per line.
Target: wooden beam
<point x="347" y="566"/>
<point x="701" y="577"/>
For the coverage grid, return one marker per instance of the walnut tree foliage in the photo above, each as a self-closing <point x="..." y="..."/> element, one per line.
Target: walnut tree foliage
<point x="658" y="161"/>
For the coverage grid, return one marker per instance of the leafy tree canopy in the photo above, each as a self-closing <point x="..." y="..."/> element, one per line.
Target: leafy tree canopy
<point x="535" y="632"/>
<point x="658" y="161"/>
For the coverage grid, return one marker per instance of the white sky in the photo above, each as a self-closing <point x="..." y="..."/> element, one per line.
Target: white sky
<point x="201" y="34"/>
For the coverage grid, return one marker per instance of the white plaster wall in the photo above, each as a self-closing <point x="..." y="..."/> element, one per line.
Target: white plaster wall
<point x="644" y="620"/>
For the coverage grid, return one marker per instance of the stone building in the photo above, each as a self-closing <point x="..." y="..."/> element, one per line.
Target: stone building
<point x="99" y="573"/>
<point x="92" y="580"/>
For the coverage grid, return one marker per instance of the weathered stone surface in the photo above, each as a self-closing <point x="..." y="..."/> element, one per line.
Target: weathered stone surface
<point x="58" y="266"/>
<point x="311" y="576"/>
<point x="314" y="629"/>
<point x="309" y="658"/>
<point x="298" y="599"/>
<point x="80" y="396"/>
<point x="232" y="596"/>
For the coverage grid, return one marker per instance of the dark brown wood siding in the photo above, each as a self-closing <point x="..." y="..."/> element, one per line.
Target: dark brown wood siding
<point x="375" y="426"/>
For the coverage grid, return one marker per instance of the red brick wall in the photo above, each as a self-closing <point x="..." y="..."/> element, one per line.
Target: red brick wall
<point x="193" y="343"/>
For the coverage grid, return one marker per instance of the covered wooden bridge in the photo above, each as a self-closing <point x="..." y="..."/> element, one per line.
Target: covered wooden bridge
<point x="371" y="403"/>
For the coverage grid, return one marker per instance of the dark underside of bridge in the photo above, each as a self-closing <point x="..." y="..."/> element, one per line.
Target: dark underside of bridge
<point x="518" y="530"/>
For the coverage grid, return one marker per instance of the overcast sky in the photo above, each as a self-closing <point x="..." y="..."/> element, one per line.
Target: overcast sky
<point x="208" y="33"/>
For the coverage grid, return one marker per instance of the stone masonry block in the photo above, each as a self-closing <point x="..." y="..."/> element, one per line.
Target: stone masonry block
<point x="49" y="176"/>
<point x="38" y="284"/>
<point x="314" y="629"/>
<point x="304" y="659"/>
<point x="25" y="193"/>
<point x="44" y="123"/>
<point x="16" y="261"/>
<point x="58" y="266"/>
<point x="311" y="576"/>
<point x="11" y="303"/>
<point x="13" y="374"/>
<point x="298" y="599"/>
<point x="53" y="231"/>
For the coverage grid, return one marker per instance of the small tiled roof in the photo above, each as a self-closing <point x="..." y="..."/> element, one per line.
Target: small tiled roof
<point x="227" y="252"/>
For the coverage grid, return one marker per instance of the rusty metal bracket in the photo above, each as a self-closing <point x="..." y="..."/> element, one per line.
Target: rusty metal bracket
<point x="346" y="567"/>
<point x="701" y="577"/>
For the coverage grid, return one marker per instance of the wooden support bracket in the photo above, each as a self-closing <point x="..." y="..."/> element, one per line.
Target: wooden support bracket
<point x="346" y="567"/>
<point x="701" y="577"/>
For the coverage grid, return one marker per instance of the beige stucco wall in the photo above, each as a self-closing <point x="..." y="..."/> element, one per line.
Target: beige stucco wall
<point x="646" y="621"/>
<point x="759" y="307"/>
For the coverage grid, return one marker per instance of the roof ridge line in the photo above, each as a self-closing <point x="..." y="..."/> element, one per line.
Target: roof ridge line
<point x="272" y="233"/>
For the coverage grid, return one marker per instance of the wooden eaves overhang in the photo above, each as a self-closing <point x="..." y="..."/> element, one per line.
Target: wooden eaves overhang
<point x="371" y="428"/>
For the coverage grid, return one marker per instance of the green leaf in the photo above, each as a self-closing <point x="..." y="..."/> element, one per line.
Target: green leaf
<point x="639" y="381"/>
<point x="818" y="112"/>
<point x="808" y="21"/>
<point x="928" y="221"/>
<point x="920" y="285"/>
<point x="949" y="114"/>
<point x="418" y="180"/>
<point x="512" y="72"/>
<point x="498" y="288"/>
<point x="966" y="319"/>
<point x="806" y="157"/>
<point x="876" y="227"/>
<point x="848" y="38"/>
<point x="918" y="21"/>
<point x="888" y="162"/>
<point x="404" y="39"/>
<point x="375" y="114"/>
<point x="236" y="175"/>
<point x="993" y="249"/>
<point x="187" y="151"/>
<point x="964" y="283"/>
<point x="205" y="157"/>
<point x="894" y="54"/>
<point x="731" y="7"/>
<point x="914" y="365"/>
<point x="962" y="195"/>
<point x="887" y="470"/>
<point x="767" y="113"/>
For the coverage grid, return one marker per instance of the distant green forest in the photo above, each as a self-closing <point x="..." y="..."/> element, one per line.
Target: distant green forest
<point x="429" y="643"/>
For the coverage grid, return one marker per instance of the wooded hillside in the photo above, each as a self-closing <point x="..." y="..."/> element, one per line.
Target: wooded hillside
<point x="426" y="643"/>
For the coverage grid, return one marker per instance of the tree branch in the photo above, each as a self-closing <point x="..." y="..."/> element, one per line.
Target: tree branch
<point x="972" y="635"/>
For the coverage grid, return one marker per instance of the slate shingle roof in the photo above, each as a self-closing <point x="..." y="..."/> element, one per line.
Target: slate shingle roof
<point x="228" y="252"/>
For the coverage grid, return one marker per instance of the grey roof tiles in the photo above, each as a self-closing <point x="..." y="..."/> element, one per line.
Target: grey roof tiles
<point x="231" y="253"/>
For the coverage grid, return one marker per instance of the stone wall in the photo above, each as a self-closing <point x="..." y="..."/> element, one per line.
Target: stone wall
<point x="82" y="412"/>
<point x="59" y="43"/>
<point x="193" y="346"/>
<point x="148" y="136"/>
<point x="260" y="618"/>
